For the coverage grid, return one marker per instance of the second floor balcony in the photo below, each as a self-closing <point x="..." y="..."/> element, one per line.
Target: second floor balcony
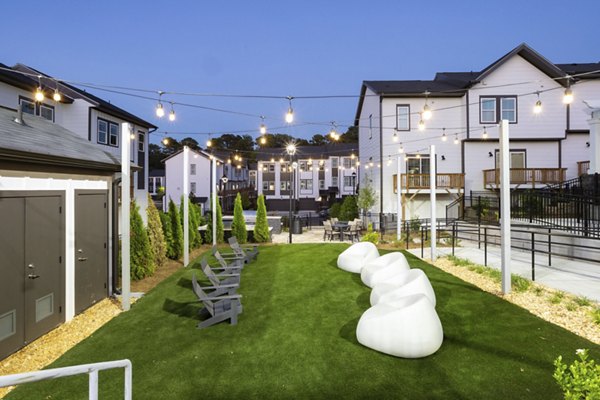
<point x="413" y="183"/>
<point x="525" y="177"/>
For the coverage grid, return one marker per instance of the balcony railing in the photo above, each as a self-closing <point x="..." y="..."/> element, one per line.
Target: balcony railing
<point x="583" y="167"/>
<point x="421" y="181"/>
<point x="525" y="176"/>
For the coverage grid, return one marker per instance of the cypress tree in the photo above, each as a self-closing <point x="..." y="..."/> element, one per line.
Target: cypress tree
<point x="176" y="231"/>
<point x="158" y="246"/>
<point x="167" y="231"/>
<point x="220" y="228"/>
<point x="192" y="222"/>
<point x="238" y="227"/>
<point x="142" y="263"/>
<point x="261" y="228"/>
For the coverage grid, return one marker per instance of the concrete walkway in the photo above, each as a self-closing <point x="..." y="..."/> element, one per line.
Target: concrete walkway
<point x="572" y="276"/>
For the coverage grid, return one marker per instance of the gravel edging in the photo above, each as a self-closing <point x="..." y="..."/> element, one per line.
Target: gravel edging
<point x="535" y="301"/>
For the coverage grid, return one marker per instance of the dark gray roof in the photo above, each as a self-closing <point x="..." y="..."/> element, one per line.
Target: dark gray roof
<point x="416" y="88"/>
<point x="318" y="152"/>
<point x="40" y="141"/>
<point x="584" y="68"/>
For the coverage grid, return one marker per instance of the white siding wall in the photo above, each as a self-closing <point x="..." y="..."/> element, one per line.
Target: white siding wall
<point x="34" y="181"/>
<point x="75" y="117"/>
<point x="550" y="123"/>
<point x="574" y="148"/>
<point x="368" y="144"/>
<point x="174" y="177"/>
<point x="584" y="90"/>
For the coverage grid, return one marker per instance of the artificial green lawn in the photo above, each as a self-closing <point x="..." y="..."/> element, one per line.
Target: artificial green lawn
<point x="296" y="339"/>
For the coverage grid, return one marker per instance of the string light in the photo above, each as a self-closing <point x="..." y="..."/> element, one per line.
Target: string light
<point x="456" y="138"/>
<point x="165" y="141"/>
<point x="263" y="140"/>
<point x="209" y="142"/>
<point x="56" y="97"/>
<point x="289" y="116"/>
<point x="538" y="105"/>
<point x="426" y="115"/>
<point x="272" y="159"/>
<point x="484" y="135"/>
<point x="568" y="97"/>
<point x="172" y="113"/>
<point x="160" y="111"/>
<point x="444" y="137"/>
<point x="395" y="137"/>
<point x="263" y="127"/>
<point x="421" y="123"/>
<point x="401" y="149"/>
<point x="39" y="94"/>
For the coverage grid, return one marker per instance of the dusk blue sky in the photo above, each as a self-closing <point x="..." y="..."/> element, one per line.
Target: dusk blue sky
<point x="280" y="48"/>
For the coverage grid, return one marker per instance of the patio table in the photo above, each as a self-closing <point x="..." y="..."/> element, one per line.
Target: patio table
<point x="340" y="226"/>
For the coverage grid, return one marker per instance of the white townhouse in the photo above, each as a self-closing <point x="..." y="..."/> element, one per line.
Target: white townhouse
<point x="323" y="174"/>
<point x="199" y="178"/>
<point x="549" y="139"/>
<point x="59" y="179"/>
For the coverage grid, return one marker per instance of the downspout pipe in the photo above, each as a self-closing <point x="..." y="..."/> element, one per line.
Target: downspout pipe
<point x="115" y="236"/>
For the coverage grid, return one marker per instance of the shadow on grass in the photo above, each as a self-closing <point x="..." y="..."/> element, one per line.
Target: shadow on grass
<point x="188" y="309"/>
<point x="364" y="300"/>
<point x="348" y="331"/>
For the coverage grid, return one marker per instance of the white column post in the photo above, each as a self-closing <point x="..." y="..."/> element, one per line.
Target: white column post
<point x="213" y="187"/>
<point x="432" y="200"/>
<point x="125" y="211"/>
<point x="398" y="201"/>
<point x="594" y="124"/>
<point x="505" y="206"/>
<point x="186" y="206"/>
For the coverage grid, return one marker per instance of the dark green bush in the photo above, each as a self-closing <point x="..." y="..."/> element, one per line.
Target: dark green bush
<point x="349" y="209"/>
<point x="141" y="261"/>
<point x="158" y="245"/>
<point x="334" y="210"/>
<point x="176" y="250"/>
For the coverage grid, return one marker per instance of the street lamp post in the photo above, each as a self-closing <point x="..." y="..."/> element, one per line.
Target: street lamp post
<point x="354" y="183"/>
<point x="291" y="150"/>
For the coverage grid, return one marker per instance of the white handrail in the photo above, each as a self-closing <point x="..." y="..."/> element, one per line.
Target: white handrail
<point x="90" y="369"/>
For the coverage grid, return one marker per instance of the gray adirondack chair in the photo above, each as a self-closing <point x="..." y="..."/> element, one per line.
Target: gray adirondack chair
<point x="227" y="277"/>
<point x="219" y="308"/>
<point x="249" y="253"/>
<point x="228" y="262"/>
<point x="220" y="289"/>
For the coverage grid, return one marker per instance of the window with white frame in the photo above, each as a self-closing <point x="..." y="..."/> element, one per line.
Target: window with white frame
<point x="108" y="132"/>
<point x="113" y="134"/>
<point x="29" y="106"/>
<point x="417" y="164"/>
<point x="349" y="181"/>
<point x="403" y="117"/>
<point x="348" y="162"/>
<point x="518" y="159"/>
<point x="334" y="181"/>
<point x="496" y="108"/>
<point x="334" y="162"/>
<point x="192" y="169"/>
<point x="303" y="166"/>
<point x="271" y="167"/>
<point x="268" y="186"/>
<point x="284" y="185"/>
<point x="321" y="184"/>
<point x="306" y="184"/>
<point x="193" y="187"/>
<point x="141" y="141"/>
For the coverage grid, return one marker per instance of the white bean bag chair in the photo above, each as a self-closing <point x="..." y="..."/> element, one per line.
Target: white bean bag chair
<point x="407" y="328"/>
<point x="383" y="268"/>
<point x="410" y="282"/>
<point x="355" y="257"/>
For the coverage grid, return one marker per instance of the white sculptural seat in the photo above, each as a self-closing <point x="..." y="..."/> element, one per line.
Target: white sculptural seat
<point x="408" y="327"/>
<point x="355" y="257"/>
<point x="383" y="268"/>
<point x="407" y="283"/>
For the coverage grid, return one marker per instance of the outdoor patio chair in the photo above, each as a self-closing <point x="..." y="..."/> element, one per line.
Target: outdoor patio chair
<point x="334" y="220"/>
<point x="228" y="261"/>
<point x="355" y="257"/>
<point x="404" y="284"/>
<point x="407" y="328"/>
<point x="328" y="232"/>
<point x="352" y="232"/>
<point x="384" y="267"/>
<point x="249" y="253"/>
<point x="227" y="277"/>
<point x="217" y="290"/>
<point x="220" y="308"/>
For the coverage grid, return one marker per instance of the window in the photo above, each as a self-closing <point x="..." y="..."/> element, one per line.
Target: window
<point x="141" y="141"/>
<point x="284" y="185"/>
<point x="268" y="186"/>
<point x="321" y="184"/>
<point x="303" y="166"/>
<point x="349" y="162"/>
<point x="265" y="185"/>
<point x="271" y="167"/>
<point x="334" y="162"/>
<point x="518" y="159"/>
<point x="306" y="184"/>
<point x="334" y="181"/>
<point x="42" y="110"/>
<point x="417" y="165"/>
<point x="349" y="181"/>
<point x="495" y="108"/>
<point x="192" y="169"/>
<point x="403" y="117"/>
<point x="193" y="187"/>
<point x="108" y="132"/>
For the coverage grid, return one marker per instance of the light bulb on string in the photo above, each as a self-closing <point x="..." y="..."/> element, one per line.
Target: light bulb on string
<point x="172" y="114"/>
<point x="395" y="137"/>
<point x="568" y="96"/>
<point x="165" y="141"/>
<point x="263" y="140"/>
<point x="426" y="114"/>
<point x="56" y="96"/>
<point x="39" y="93"/>
<point x="160" y="111"/>
<point x="421" y="125"/>
<point x="263" y="127"/>
<point x="456" y="138"/>
<point x="537" y="108"/>
<point x="289" y="116"/>
<point x="209" y="142"/>
<point x="484" y="135"/>
<point x="444" y="137"/>
<point x="401" y="149"/>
